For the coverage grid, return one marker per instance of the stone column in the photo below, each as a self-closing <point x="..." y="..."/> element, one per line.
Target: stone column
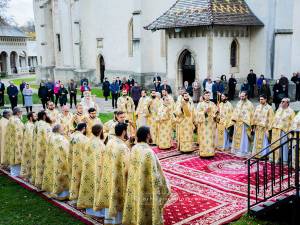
<point x="8" y="66"/>
<point x="210" y="36"/>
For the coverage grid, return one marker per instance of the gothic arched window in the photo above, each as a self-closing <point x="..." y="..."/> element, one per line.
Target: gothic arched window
<point x="234" y="48"/>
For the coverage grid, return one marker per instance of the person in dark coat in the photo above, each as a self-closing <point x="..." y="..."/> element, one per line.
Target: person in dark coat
<point x="278" y="94"/>
<point x="217" y="90"/>
<point x="251" y="78"/>
<point x="72" y="88"/>
<point x="157" y="82"/>
<point x="43" y="94"/>
<point x="2" y="90"/>
<point x="231" y="87"/>
<point x="166" y="87"/>
<point x="265" y="90"/>
<point x="115" y="90"/>
<point x="22" y="86"/>
<point x="284" y="81"/>
<point x="188" y="88"/>
<point x="50" y="87"/>
<point x="136" y="94"/>
<point x="105" y="88"/>
<point x="296" y="80"/>
<point x="12" y="92"/>
<point x="63" y="95"/>
<point x="245" y="87"/>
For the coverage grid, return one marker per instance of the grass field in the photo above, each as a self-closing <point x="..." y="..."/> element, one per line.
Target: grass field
<point x="21" y="207"/>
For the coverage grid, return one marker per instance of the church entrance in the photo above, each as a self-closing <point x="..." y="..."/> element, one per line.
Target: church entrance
<point x="187" y="67"/>
<point x="102" y="68"/>
<point x="3" y="62"/>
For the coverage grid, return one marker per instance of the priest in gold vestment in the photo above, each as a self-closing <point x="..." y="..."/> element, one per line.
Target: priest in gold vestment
<point x="262" y="124"/>
<point x="92" y="160"/>
<point x="78" y="141"/>
<point x="52" y="113"/>
<point x="206" y="114"/>
<point x="14" y="142"/>
<point x="224" y="123"/>
<point x="153" y="105"/>
<point x="185" y="118"/>
<point x="78" y="117"/>
<point x="150" y="185"/>
<point x="41" y="135"/>
<point x="242" y="117"/>
<point x="113" y="181"/>
<point x="3" y="129"/>
<point x="281" y="125"/>
<point x="91" y="120"/>
<point x="60" y="172"/>
<point x="27" y="146"/>
<point x="142" y="109"/>
<point x="126" y="104"/>
<point x="164" y="121"/>
<point x="65" y="119"/>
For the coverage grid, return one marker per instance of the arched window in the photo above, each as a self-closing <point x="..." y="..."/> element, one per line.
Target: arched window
<point x="234" y="53"/>
<point x="130" y="38"/>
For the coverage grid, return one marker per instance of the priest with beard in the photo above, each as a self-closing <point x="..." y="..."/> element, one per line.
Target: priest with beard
<point x="65" y="119"/>
<point x="147" y="190"/>
<point x="242" y="117"/>
<point x="262" y="125"/>
<point x="92" y="161"/>
<point x="185" y="117"/>
<point x="164" y="120"/>
<point x="153" y="105"/>
<point x="14" y="142"/>
<point x="3" y="129"/>
<point x="78" y="141"/>
<point x="109" y="126"/>
<point x="52" y="112"/>
<point x="27" y="146"/>
<point x="142" y="108"/>
<point x="206" y="114"/>
<point x="113" y="181"/>
<point x="224" y="124"/>
<point x="91" y="120"/>
<point x="126" y="104"/>
<point x="78" y="117"/>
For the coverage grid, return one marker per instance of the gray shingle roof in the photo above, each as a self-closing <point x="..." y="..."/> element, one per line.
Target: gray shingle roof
<point x="191" y="13"/>
<point x="7" y="30"/>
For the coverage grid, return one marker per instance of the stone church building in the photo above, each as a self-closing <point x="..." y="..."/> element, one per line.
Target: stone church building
<point x="176" y="39"/>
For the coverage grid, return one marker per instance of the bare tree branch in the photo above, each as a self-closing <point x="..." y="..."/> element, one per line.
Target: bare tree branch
<point x="3" y="7"/>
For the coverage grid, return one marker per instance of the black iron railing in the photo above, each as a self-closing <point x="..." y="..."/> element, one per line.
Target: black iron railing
<point x="270" y="176"/>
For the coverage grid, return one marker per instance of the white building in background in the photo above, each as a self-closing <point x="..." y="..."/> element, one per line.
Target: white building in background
<point x="17" y="52"/>
<point x="179" y="40"/>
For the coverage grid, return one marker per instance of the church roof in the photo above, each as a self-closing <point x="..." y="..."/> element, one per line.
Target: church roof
<point x="7" y="30"/>
<point x="191" y="13"/>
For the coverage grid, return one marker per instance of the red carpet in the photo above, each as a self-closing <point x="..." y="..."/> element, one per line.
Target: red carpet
<point x="207" y="191"/>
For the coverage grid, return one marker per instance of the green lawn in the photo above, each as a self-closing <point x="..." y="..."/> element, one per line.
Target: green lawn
<point x="98" y="92"/>
<point x="22" y="207"/>
<point x="17" y="82"/>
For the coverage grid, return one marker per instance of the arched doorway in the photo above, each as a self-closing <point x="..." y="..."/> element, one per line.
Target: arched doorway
<point x="187" y="68"/>
<point x="102" y="68"/>
<point x="3" y="62"/>
<point x="13" y="62"/>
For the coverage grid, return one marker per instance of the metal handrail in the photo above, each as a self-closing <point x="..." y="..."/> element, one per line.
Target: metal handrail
<point x="293" y="144"/>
